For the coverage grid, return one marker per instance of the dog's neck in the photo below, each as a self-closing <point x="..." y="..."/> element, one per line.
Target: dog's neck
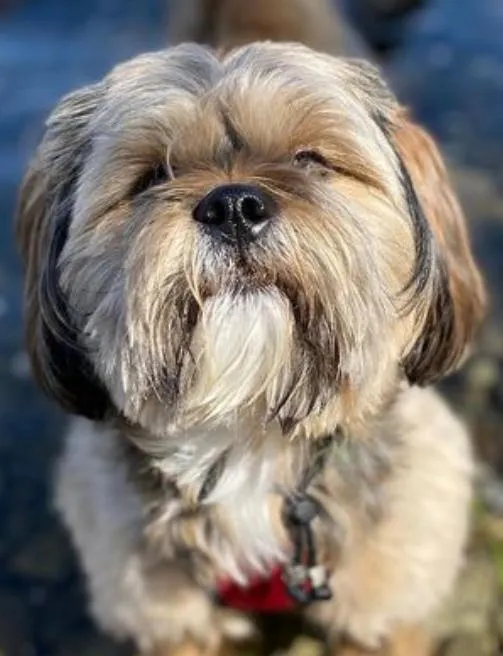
<point x="233" y="474"/>
<point x="216" y="461"/>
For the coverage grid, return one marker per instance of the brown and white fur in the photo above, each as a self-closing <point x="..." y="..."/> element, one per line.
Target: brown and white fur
<point x="182" y="351"/>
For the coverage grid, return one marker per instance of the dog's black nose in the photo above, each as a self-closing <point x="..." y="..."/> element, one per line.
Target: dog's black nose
<point x="237" y="212"/>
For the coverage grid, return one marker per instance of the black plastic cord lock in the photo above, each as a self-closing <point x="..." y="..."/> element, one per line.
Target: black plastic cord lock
<point x="305" y="579"/>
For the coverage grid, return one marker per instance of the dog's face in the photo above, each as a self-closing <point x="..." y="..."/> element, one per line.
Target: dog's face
<point x="264" y="233"/>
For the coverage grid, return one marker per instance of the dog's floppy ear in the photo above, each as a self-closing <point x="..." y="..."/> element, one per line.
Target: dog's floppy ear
<point x="457" y="301"/>
<point x="44" y="213"/>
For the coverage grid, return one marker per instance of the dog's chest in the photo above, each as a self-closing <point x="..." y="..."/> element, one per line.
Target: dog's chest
<point x="234" y="477"/>
<point x="257" y="490"/>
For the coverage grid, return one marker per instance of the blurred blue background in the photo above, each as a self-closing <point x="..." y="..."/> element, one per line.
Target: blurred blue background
<point x="446" y="62"/>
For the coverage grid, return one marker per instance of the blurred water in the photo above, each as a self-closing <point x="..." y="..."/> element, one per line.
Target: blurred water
<point x="451" y="73"/>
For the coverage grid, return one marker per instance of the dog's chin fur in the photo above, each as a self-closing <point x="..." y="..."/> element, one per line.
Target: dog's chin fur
<point x="245" y="367"/>
<point x="241" y="356"/>
<point x="243" y="346"/>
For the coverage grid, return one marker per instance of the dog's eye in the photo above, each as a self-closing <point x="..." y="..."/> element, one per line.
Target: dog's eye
<point x="151" y="178"/>
<point x="311" y="160"/>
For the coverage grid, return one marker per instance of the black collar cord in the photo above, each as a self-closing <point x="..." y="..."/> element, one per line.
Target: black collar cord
<point x="305" y="579"/>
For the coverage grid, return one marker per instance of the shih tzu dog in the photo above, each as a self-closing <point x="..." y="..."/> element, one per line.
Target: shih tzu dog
<point x="242" y="268"/>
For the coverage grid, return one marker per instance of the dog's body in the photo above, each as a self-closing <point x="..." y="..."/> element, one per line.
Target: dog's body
<point x="231" y="260"/>
<point x="400" y="520"/>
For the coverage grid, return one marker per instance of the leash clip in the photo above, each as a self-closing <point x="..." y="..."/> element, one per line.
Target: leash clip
<point x="305" y="580"/>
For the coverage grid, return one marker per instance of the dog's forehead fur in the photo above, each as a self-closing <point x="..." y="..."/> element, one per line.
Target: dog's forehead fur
<point x="193" y="70"/>
<point x="186" y="103"/>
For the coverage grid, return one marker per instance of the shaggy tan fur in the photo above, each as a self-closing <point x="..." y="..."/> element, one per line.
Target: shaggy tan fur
<point x="404" y="641"/>
<point x="187" y="354"/>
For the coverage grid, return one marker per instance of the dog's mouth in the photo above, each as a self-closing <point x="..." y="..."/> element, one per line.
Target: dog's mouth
<point x="240" y="270"/>
<point x="235" y="268"/>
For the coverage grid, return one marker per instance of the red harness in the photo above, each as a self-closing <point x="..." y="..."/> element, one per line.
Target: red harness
<point x="261" y="595"/>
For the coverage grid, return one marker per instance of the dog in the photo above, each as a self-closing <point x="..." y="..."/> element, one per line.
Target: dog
<point x="244" y="269"/>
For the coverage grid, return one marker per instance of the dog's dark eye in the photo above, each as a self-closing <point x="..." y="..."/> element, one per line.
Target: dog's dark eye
<point x="311" y="160"/>
<point x="152" y="177"/>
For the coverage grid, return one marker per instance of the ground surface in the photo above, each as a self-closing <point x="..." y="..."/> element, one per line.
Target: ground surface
<point x="451" y="73"/>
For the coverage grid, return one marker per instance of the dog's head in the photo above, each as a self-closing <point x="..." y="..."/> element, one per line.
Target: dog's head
<point x="266" y="232"/>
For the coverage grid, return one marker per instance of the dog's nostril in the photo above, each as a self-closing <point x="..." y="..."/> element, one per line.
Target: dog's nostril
<point x="215" y="213"/>
<point x="252" y="208"/>
<point x="237" y="211"/>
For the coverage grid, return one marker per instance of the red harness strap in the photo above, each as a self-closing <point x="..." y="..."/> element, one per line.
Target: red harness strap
<point x="261" y="595"/>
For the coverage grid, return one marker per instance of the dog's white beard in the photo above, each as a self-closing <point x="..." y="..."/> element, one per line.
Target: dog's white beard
<point x="243" y="348"/>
